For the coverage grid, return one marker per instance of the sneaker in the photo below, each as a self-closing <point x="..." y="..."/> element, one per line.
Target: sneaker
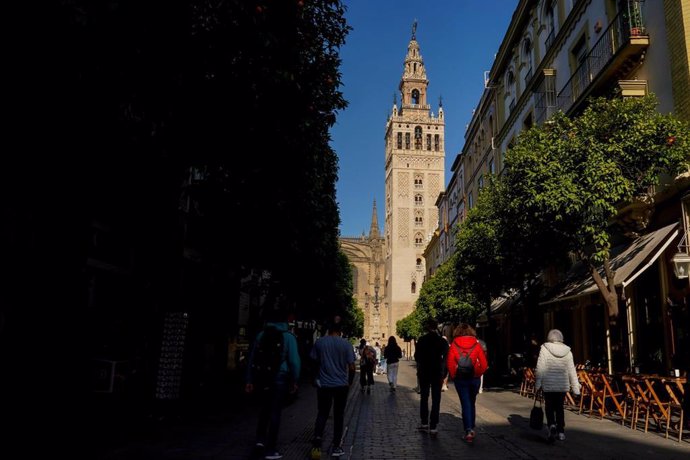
<point x="259" y="445"/>
<point x="561" y="436"/>
<point x="433" y="431"/>
<point x="423" y="427"/>
<point x="274" y="456"/>
<point x="337" y="452"/>
<point x="552" y="434"/>
<point x="469" y="436"/>
<point x="393" y="389"/>
<point x="444" y="388"/>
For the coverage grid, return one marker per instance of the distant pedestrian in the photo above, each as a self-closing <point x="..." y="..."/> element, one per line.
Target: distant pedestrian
<point x="481" y="378"/>
<point x="444" y="386"/>
<point x="336" y="362"/>
<point x="367" y="363"/>
<point x="466" y="364"/>
<point x="430" y="354"/>
<point x="392" y="354"/>
<point x="382" y="362"/>
<point x="555" y="376"/>
<point x="377" y="366"/>
<point x="272" y="373"/>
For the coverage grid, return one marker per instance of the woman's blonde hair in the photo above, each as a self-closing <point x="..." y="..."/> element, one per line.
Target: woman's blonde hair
<point x="464" y="329"/>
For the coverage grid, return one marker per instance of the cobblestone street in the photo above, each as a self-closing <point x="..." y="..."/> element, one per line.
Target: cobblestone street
<point x="382" y="425"/>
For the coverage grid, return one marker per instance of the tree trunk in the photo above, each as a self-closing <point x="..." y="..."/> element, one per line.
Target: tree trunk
<point x="610" y="295"/>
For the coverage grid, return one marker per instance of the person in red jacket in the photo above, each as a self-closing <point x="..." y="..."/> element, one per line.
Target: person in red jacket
<point x="466" y="380"/>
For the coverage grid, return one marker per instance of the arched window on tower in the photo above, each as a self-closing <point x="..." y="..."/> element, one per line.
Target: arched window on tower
<point x="418" y="240"/>
<point x="437" y="142"/>
<point x="418" y="200"/>
<point x="419" y="218"/>
<point x="407" y="141"/>
<point x="415" y="96"/>
<point x="418" y="137"/>
<point x="428" y="142"/>
<point x="399" y="140"/>
<point x="419" y="263"/>
<point x="413" y="287"/>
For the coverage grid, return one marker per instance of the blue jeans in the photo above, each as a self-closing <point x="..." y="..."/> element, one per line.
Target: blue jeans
<point x="269" y="414"/>
<point x="467" y="391"/>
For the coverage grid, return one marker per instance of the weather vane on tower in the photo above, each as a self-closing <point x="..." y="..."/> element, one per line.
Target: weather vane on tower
<point x="414" y="30"/>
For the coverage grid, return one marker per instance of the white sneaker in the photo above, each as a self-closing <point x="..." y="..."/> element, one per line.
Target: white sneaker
<point x="433" y="431"/>
<point x="423" y="427"/>
<point x="561" y="436"/>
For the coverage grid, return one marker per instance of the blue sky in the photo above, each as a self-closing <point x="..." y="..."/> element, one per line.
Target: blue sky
<point x="458" y="40"/>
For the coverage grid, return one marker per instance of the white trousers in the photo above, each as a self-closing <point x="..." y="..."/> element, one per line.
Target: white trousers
<point x="392" y="373"/>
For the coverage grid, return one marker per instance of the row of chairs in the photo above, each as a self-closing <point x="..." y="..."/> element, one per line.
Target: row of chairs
<point x="625" y="399"/>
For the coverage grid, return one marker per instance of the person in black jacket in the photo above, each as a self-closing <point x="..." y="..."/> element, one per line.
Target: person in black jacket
<point x="430" y="355"/>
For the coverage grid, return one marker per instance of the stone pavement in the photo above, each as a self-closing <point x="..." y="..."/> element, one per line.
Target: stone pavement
<point x="382" y="425"/>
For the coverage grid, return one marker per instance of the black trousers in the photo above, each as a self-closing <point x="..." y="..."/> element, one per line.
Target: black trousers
<point x="366" y="375"/>
<point x="336" y="396"/>
<point x="431" y="385"/>
<point x="553" y="407"/>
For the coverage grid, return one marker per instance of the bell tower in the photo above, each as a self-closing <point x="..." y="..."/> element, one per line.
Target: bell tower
<point x="414" y="165"/>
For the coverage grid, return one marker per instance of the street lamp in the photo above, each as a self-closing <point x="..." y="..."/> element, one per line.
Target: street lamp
<point x="681" y="260"/>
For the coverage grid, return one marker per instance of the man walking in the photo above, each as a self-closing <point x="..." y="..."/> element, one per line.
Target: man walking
<point x="430" y="354"/>
<point x="274" y="368"/>
<point x="336" y="363"/>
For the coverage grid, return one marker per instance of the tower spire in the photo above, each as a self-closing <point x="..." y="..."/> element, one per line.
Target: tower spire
<point x="374" y="229"/>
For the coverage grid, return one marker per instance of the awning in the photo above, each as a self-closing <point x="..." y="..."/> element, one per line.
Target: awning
<point x="627" y="261"/>
<point x="500" y="305"/>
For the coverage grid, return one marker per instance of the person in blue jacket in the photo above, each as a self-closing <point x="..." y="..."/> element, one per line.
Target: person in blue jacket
<point x="272" y="396"/>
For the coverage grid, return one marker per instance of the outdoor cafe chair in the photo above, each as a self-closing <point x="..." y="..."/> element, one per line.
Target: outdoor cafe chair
<point x="674" y="389"/>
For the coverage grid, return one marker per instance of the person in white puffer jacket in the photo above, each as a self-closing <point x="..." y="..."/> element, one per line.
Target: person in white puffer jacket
<point x="555" y="376"/>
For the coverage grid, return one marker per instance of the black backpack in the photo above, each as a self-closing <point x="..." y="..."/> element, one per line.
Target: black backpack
<point x="268" y="357"/>
<point x="465" y="369"/>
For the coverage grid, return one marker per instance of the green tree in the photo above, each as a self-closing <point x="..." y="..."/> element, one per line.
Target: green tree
<point x="410" y="327"/>
<point x="442" y="299"/>
<point x="568" y="178"/>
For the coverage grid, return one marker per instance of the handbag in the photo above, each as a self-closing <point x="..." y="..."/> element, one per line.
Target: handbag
<point x="536" y="416"/>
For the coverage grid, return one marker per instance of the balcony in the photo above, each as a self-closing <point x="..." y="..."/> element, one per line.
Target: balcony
<point x="621" y="46"/>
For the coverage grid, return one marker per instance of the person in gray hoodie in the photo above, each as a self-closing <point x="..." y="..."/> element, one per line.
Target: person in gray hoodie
<point x="555" y="376"/>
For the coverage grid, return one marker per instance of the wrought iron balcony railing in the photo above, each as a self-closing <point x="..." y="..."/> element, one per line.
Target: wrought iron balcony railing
<point x="618" y="34"/>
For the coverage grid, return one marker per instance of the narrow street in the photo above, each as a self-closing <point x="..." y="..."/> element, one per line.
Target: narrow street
<point x="382" y="425"/>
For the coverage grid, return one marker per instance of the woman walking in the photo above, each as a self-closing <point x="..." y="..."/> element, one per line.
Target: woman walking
<point x="556" y="376"/>
<point x="392" y="354"/>
<point x="466" y="363"/>
<point x="367" y="363"/>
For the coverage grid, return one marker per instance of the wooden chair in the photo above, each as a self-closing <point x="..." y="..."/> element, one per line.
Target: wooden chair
<point x="615" y="396"/>
<point x="594" y="390"/>
<point x="528" y="381"/>
<point x="631" y="400"/>
<point x="657" y="407"/>
<point x="646" y="401"/>
<point x="674" y="389"/>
